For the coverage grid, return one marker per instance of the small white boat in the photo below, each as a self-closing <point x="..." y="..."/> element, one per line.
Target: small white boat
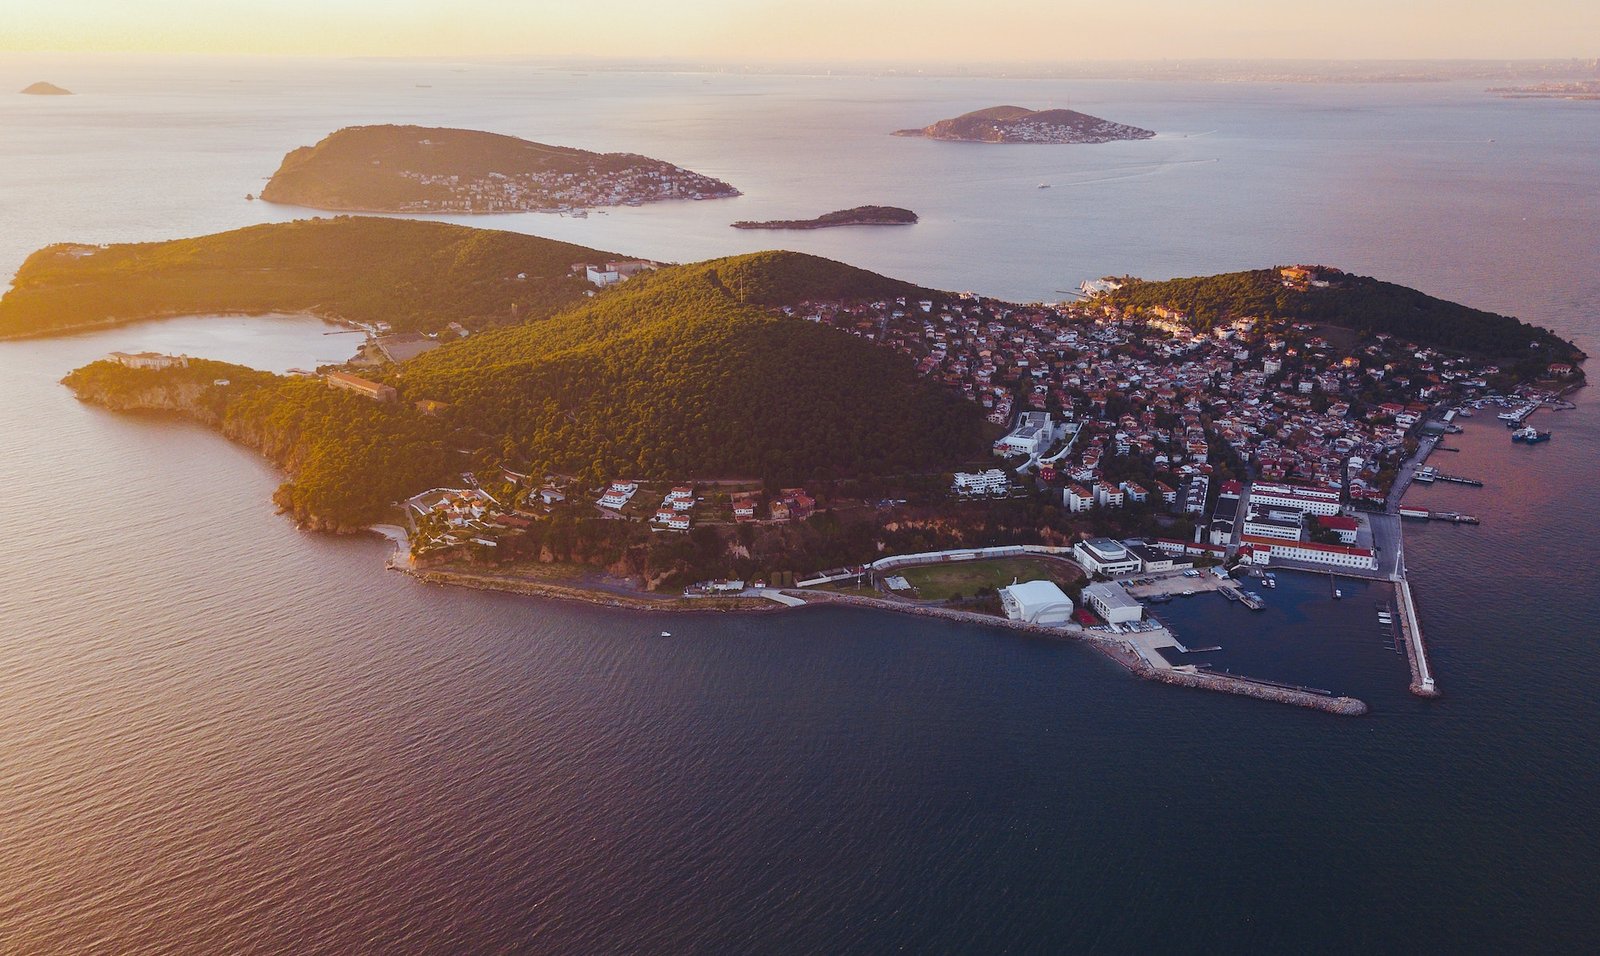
<point x="666" y="633"/>
<point x="1044" y="185"/>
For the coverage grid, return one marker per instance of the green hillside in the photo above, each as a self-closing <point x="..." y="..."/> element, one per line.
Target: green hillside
<point x="414" y="275"/>
<point x="678" y="374"/>
<point x="1356" y="302"/>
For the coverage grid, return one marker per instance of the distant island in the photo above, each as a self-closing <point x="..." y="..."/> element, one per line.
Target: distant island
<point x="1578" y="90"/>
<point x="42" y="88"/>
<point x="859" y="216"/>
<point x="1016" y="124"/>
<point x="423" y="169"/>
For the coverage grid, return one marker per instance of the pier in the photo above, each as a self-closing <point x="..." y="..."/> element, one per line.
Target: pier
<point x="1450" y="516"/>
<point x="1422" y="683"/>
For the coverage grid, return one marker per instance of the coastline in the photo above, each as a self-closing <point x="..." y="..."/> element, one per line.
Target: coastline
<point x="548" y="210"/>
<point x="1117" y="651"/>
<point x="102" y="325"/>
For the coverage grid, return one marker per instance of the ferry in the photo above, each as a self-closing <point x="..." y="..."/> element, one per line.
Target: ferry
<point x="1529" y="435"/>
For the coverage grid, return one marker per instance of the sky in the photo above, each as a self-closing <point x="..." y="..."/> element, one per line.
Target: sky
<point x="933" y="31"/>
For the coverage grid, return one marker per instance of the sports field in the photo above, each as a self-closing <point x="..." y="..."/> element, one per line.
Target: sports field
<point x="941" y="582"/>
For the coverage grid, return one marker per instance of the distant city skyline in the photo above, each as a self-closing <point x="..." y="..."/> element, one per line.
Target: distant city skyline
<point x="932" y="31"/>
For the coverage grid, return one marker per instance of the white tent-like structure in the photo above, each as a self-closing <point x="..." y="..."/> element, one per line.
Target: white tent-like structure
<point x="1036" y="602"/>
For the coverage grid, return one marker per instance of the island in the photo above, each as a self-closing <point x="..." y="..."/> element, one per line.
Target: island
<point x="1017" y="124"/>
<point x="858" y="216"/>
<point x="421" y="169"/>
<point x="1576" y="90"/>
<point x="777" y="429"/>
<point x="45" y="89"/>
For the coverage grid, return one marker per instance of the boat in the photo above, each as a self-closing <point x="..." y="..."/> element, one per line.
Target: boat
<point x="666" y="633"/>
<point x="1337" y="594"/>
<point x="1270" y="582"/>
<point x="1044" y="185"/>
<point x="1529" y="435"/>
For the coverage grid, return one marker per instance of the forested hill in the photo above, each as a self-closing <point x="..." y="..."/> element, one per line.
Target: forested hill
<point x="1348" y="301"/>
<point x="414" y="275"/>
<point x="681" y="374"/>
<point x="684" y="373"/>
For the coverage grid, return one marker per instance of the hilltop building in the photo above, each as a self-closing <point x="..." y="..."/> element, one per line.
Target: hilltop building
<point x="376" y="391"/>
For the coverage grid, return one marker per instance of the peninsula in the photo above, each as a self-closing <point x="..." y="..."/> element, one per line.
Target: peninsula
<point x="423" y="169"/>
<point x="45" y="89"/>
<point x="1017" y="124"/>
<point x="859" y="216"/>
<point x="403" y="274"/>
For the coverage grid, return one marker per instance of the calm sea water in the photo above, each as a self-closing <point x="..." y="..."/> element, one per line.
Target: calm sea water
<point x="218" y="734"/>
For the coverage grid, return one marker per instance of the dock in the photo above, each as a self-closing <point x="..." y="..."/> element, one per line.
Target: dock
<point x="1451" y="516"/>
<point x="1248" y="600"/>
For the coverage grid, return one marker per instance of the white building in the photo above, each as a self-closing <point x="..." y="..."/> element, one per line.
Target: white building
<point x="1034" y="435"/>
<point x="1194" y="495"/>
<point x="618" y="494"/>
<point x="1107" y="495"/>
<point x="1334" y="555"/>
<point x="1269" y="526"/>
<point x="1317" y="501"/>
<point x="152" y="360"/>
<point x="1036" y="602"/>
<point x="969" y="484"/>
<point x="1104" y="556"/>
<point x="1111" y="602"/>
<point x="1077" y="498"/>
<point x="602" y="276"/>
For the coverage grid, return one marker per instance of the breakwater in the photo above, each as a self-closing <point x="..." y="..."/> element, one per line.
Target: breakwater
<point x="1123" y="654"/>
<point x="1422" y="682"/>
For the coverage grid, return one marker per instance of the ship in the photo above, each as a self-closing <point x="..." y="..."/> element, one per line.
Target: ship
<point x="1529" y="435"/>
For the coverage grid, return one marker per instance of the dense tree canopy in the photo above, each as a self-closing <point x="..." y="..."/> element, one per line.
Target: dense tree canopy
<point x="1356" y="302"/>
<point x="412" y="274"/>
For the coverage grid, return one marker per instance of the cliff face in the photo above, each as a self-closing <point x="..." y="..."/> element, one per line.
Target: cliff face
<point x="183" y="398"/>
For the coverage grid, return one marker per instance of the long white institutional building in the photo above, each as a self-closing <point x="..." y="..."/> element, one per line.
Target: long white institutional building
<point x="1336" y="555"/>
<point x="1317" y="501"/>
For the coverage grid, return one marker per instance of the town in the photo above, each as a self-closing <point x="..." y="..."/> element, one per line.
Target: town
<point x="640" y="180"/>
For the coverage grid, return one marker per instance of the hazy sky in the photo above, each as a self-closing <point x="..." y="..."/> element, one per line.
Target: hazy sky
<point x="908" y="30"/>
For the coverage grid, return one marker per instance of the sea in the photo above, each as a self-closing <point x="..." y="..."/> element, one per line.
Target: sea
<point x="219" y="734"/>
